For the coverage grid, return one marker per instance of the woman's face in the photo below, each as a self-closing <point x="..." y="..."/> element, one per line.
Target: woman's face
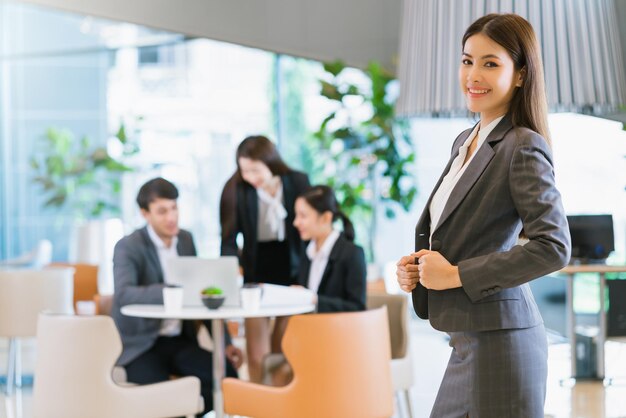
<point x="309" y="222"/>
<point x="488" y="77"/>
<point x="254" y="172"/>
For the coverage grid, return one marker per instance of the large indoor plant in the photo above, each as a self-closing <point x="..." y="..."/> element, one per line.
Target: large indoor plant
<point x="80" y="177"/>
<point x="83" y="180"/>
<point x="366" y="153"/>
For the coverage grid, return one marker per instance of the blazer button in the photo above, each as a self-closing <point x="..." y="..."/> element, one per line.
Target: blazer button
<point x="485" y="293"/>
<point x="435" y="245"/>
<point x="497" y="289"/>
<point x="491" y="292"/>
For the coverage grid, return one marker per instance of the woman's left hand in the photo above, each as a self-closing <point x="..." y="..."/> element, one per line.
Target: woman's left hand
<point x="436" y="273"/>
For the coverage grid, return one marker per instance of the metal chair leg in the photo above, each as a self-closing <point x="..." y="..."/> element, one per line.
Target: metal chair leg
<point x="407" y="398"/>
<point x="399" y="413"/>
<point x="11" y="368"/>
<point x="18" y="363"/>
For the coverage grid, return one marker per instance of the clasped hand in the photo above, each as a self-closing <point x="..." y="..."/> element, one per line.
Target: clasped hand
<point x="433" y="271"/>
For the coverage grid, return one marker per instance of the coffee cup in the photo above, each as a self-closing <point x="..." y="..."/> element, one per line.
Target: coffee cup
<point x="173" y="298"/>
<point x="251" y="297"/>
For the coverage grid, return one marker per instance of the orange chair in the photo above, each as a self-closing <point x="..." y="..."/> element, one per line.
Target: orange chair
<point x="341" y="369"/>
<point x="85" y="281"/>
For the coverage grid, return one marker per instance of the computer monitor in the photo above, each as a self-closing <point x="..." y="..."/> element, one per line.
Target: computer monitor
<point x="592" y="237"/>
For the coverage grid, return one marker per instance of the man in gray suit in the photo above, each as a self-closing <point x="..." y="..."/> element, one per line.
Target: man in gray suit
<point x="154" y="349"/>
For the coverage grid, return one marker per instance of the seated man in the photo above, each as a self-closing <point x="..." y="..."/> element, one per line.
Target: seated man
<point x="154" y="349"/>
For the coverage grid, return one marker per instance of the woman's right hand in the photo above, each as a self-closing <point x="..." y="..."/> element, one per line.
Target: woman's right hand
<point x="407" y="272"/>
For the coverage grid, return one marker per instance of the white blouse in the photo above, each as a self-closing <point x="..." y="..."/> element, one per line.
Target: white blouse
<point x="272" y="215"/>
<point x="319" y="259"/>
<point x="441" y="196"/>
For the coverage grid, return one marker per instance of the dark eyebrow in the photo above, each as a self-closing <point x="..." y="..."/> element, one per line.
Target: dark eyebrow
<point x="484" y="56"/>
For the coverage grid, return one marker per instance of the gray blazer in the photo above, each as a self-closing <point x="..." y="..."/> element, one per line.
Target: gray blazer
<point x="139" y="279"/>
<point x="507" y="187"/>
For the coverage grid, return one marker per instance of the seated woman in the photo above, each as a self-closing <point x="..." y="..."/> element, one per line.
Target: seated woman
<point x="334" y="267"/>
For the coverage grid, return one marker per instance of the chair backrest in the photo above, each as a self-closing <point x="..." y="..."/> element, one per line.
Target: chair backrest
<point x="26" y="293"/>
<point x="397" y="311"/>
<point x="85" y="281"/>
<point x="75" y="357"/>
<point x="340" y="363"/>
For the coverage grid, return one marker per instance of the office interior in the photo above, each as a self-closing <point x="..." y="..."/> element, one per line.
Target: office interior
<point x="184" y="83"/>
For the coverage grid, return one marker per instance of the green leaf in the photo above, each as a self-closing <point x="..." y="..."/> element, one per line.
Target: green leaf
<point x="334" y="67"/>
<point x="121" y="134"/>
<point x="330" y="91"/>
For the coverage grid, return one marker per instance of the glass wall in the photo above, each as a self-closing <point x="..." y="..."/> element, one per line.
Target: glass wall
<point x="187" y="103"/>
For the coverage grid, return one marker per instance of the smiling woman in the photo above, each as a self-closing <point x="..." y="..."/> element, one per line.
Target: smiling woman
<point x="468" y="275"/>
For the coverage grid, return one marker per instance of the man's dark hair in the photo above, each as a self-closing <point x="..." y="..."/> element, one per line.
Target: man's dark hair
<point x="154" y="189"/>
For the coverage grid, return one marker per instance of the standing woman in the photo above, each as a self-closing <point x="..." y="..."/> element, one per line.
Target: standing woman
<point x="471" y="274"/>
<point x="333" y="267"/>
<point x="258" y="202"/>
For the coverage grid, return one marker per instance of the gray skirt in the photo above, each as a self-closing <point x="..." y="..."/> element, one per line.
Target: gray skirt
<point x="495" y="374"/>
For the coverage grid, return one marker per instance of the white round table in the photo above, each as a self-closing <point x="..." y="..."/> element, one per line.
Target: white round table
<point x="277" y="301"/>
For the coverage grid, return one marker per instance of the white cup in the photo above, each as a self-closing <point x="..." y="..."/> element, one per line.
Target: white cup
<point x="173" y="298"/>
<point x="251" y="298"/>
<point x="85" y="307"/>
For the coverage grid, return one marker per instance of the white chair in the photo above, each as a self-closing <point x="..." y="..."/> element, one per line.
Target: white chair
<point x="23" y="295"/>
<point x="401" y="361"/>
<point x="73" y="375"/>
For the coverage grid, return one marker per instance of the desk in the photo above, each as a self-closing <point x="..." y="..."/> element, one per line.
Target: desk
<point x="270" y="306"/>
<point x="571" y="315"/>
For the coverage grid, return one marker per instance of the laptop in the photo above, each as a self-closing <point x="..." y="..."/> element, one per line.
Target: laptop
<point x="195" y="274"/>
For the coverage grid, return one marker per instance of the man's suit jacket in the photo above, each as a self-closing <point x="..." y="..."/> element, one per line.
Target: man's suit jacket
<point x="507" y="188"/>
<point x="342" y="287"/>
<point x="138" y="279"/>
<point x="239" y="213"/>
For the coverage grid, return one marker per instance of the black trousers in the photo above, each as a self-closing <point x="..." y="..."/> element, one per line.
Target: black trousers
<point x="179" y="356"/>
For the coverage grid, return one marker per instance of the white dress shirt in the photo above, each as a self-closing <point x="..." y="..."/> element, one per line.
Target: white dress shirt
<point x="169" y="327"/>
<point x="319" y="259"/>
<point x="441" y="196"/>
<point x="272" y="215"/>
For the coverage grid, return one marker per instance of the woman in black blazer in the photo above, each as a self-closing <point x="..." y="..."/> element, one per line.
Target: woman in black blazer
<point x="258" y="202"/>
<point x="333" y="266"/>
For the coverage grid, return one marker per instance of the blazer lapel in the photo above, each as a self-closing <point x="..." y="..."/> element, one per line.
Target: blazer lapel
<point x="475" y="168"/>
<point x="334" y="255"/>
<point x="152" y="254"/>
<point x="423" y="225"/>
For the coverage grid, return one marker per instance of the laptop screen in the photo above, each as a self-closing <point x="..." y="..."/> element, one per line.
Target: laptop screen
<point x="195" y="274"/>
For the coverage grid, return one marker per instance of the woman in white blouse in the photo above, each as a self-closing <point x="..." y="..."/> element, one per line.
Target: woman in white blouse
<point x="258" y="203"/>
<point x="333" y="266"/>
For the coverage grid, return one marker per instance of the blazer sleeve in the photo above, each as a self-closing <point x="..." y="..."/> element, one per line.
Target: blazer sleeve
<point x="228" y="218"/>
<point x="538" y="203"/>
<point x="354" y="270"/>
<point x="127" y="261"/>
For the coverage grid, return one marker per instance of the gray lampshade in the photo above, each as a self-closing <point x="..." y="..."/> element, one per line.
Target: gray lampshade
<point x="582" y="56"/>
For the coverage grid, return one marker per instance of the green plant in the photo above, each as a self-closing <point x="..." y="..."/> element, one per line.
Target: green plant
<point x="368" y="159"/>
<point x="81" y="176"/>
<point x="212" y="291"/>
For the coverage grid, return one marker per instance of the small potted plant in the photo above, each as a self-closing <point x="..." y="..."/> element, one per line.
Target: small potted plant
<point x="212" y="297"/>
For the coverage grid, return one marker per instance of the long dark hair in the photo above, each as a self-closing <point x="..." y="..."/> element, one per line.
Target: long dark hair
<point x="322" y="199"/>
<point x="260" y="148"/>
<point x="529" y="105"/>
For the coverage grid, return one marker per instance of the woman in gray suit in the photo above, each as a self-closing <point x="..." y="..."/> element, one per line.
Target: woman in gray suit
<point x="493" y="223"/>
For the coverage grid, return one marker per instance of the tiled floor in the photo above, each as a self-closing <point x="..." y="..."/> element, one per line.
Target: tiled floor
<point x="430" y="350"/>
